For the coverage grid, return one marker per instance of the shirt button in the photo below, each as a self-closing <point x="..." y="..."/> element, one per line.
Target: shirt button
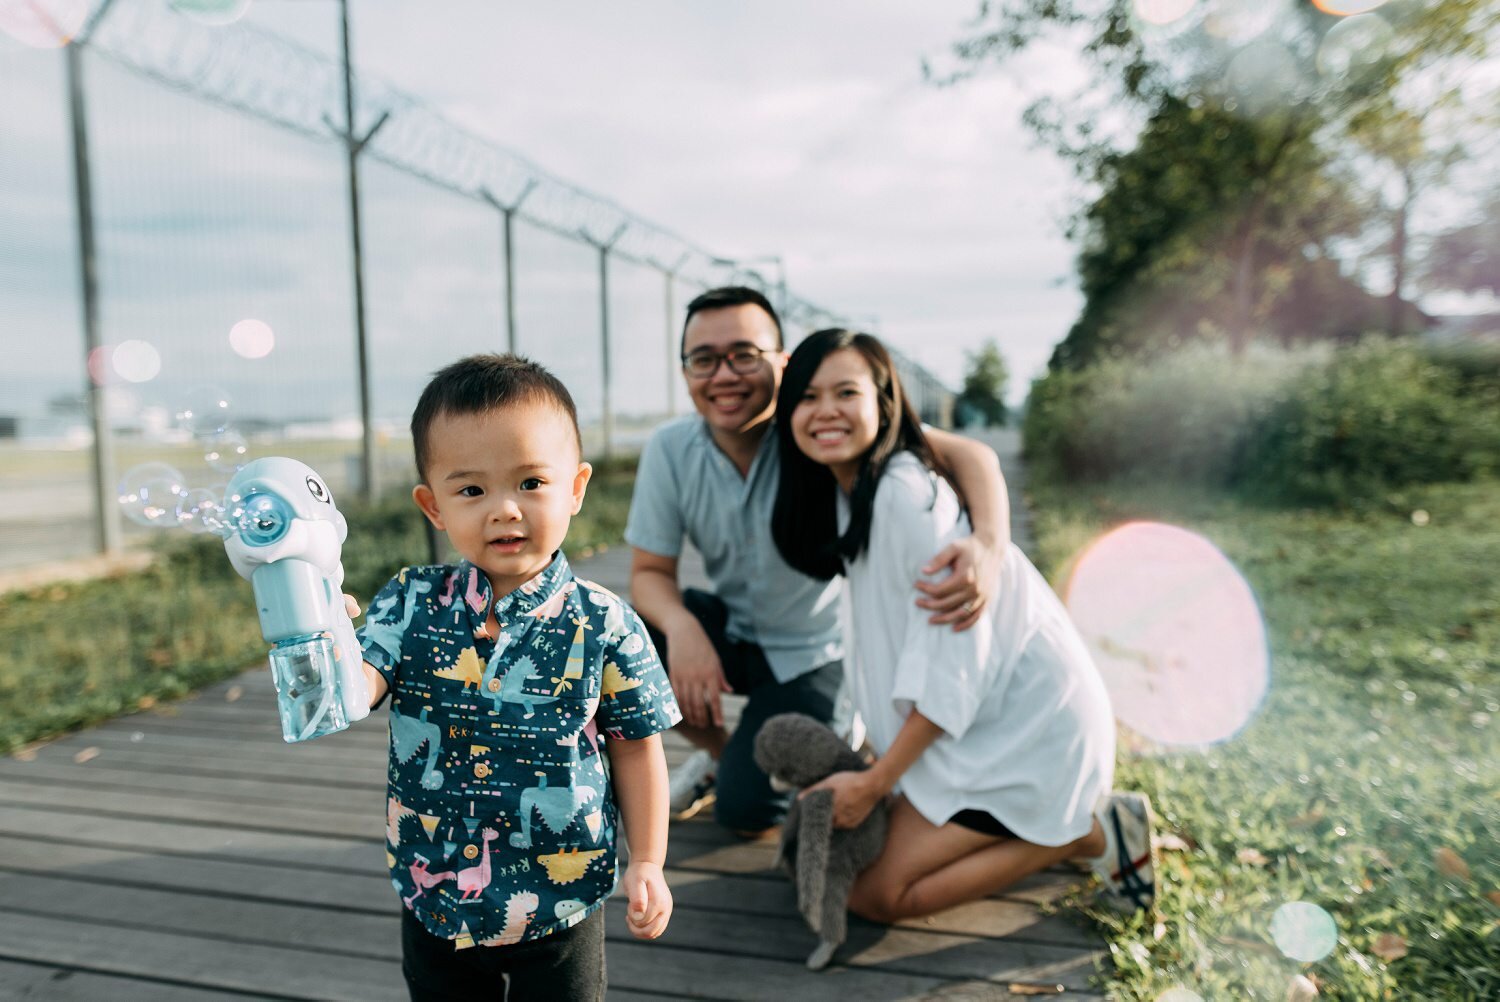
<point x="481" y="769"/>
<point x="494" y="685"/>
<point x="470" y="851"/>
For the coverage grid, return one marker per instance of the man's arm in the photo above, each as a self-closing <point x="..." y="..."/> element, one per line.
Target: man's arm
<point x="692" y="664"/>
<point x="960" y="598"/>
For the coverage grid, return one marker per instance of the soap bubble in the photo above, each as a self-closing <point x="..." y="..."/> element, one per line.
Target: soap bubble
<point x="149" y="494"/>
<point x="1162" y="12"/>
<point x="204" y="412"/>
<point x="43" y="24"/>
<point x="226" y="451"/>
<point x="1174" y="630"/>
<point x="1303" y="931"/>
<point x="201" y="509"/>
<point x="1355" y="43"/>
<point x="136" y="361"/>
<point x="252" y="338"/>
<point x="214" y="13"/>
<point x="1263" y="77"/>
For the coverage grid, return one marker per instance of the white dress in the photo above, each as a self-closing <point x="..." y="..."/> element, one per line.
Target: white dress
<point x="1029" y="735"/>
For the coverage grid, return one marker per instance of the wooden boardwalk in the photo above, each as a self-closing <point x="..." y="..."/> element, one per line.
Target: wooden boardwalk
<point x="187" y="853"/>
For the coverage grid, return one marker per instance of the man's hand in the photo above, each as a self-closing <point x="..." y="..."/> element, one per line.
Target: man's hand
<point x="855" y="795"/>
<point x="650" y="900"/>
<point x="697" y="676"/>
<point x="960" y="597"/>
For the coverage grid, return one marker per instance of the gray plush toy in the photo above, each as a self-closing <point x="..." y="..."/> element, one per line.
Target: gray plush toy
<point x="797" y="751"/>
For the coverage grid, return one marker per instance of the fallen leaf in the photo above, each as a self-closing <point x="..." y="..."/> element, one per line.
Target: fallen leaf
<point x="1450" y="864"/>
<point x="1389" y="946"/>
<point x="159" y="656"/>
<point x="86" y="754"/>
<point x="27" y="754"/>
<point x="1301" y="989"/>
<point x="1019" y="989"/>
<point x="1251" y="857"/>
<point x="1494" y="896"/>
<point x="1171" y="842"/>
<point x="146" y="702"/>
<point x="234" y="693"/>
<point x="1312" y="817"/>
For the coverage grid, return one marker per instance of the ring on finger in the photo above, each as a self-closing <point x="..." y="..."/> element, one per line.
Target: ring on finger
<point x="968" y="607"/>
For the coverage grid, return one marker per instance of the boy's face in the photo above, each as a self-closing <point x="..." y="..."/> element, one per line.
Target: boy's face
<point x="504" y="485"/>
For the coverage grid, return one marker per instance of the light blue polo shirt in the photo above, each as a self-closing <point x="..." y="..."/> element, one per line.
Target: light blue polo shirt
<point x="686" y="486"/>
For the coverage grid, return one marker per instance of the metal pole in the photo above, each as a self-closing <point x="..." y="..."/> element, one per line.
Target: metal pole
<point x="362" y="354"/>
<point x="673" y="364"/>
<point x="609" y="414"/>
<point x="510" y="282"/>
<point x="106" y="506"/>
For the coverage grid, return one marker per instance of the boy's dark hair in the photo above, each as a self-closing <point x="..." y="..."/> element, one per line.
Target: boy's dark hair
<point x="482" y="383"/>
<point x="725" y="297"/>
<point x="804" y="522"/>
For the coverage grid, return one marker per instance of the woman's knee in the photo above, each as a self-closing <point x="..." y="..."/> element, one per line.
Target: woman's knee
<point x="876" y="902"/>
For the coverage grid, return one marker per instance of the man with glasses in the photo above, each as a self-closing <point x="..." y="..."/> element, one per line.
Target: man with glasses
<point x="766" y="632"/>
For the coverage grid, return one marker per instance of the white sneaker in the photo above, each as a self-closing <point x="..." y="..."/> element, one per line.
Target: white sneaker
<point x="1127" y="867"/>
<point x="692" y="785"/>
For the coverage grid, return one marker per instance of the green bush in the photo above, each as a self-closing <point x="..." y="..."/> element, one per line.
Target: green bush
<point x="1377" y="416"/>
<point x="1184" y="417"/>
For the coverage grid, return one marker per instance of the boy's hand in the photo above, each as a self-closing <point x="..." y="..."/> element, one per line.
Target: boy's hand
<point x="650" y="902"/>
<point x="351" y="605"/>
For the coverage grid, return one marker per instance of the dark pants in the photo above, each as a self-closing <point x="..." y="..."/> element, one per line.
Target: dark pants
<point x="745" y="801"/>
<point x="565" y="965"/>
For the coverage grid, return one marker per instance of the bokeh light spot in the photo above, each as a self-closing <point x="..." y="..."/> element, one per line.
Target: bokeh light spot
<point x="43" y="24"/>
<point x="100" y="365"/>
<point x="1175" y="631"/>
<point x="215" y="13"/>
<point x="205" y="411"/>
<point x="1162" y="12"/>
<point x="1345" y="8"/>
<point x="1303" y="931"/>
<point x="150" y="493"/>
<point x="1239" y="21"/>
<point x="1263" y="77"/>
<point x="135" y="361"/>
<point x="1179" y="995"/>
<point x="252" y="338"/>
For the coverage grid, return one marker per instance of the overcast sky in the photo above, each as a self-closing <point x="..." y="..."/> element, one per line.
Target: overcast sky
<point x="777" y="127"/>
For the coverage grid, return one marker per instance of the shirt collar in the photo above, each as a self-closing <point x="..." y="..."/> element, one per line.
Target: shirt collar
<point x="528" y="596"/>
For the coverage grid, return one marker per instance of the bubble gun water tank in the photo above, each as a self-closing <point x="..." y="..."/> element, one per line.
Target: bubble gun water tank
<point x="285" y="537"/>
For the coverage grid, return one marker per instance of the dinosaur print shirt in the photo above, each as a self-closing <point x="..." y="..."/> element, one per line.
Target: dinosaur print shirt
<point x="500" y="821"/>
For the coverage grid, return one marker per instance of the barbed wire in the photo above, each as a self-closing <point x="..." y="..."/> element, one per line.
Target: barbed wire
<point x="278" y="80"/>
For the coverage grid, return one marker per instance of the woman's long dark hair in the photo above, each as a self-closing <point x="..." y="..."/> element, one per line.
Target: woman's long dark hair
<point x="805" y="521"/>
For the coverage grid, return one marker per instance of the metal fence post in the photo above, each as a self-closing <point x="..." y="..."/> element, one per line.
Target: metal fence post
<point x="106" y="506"/>
<point x="607" y="418"/>
<point x="507" y="217"/>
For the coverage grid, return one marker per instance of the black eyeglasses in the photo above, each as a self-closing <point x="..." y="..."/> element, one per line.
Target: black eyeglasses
<point x="742" y="359"/>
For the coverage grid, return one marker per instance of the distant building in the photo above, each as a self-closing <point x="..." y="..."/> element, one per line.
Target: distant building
<point x="10" y="427"/>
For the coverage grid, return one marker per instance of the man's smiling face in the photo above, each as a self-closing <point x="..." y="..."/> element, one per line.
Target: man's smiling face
<point x="729" y="401"/>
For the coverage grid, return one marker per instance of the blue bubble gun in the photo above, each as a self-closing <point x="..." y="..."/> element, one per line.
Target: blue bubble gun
<point x="285" y="536"/>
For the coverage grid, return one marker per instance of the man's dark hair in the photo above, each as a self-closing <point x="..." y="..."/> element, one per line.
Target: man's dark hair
<point x="482" y="383"/>
<point x="725" y="297"/>
<point x="804" y="521"/>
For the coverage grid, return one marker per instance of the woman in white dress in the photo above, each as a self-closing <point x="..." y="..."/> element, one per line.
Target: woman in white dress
<point x="998" y="742"/>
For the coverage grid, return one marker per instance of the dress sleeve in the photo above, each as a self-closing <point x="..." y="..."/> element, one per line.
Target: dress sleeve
<point x="635" y="697"/>
<point x="655" y="520"/>
<point x="944" y="675"/>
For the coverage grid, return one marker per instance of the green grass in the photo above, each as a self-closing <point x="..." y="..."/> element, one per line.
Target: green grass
<point x="76" y="654"/>
<point x="1375" y="755"/>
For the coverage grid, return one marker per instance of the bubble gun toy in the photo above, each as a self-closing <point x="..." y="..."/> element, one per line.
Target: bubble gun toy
<point x="285" y="536"/>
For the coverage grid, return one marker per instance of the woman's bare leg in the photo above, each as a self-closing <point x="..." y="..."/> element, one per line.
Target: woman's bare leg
<point x="925" y="868"/>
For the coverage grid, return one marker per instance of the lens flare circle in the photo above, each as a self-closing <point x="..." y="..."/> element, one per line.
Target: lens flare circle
<point x="252" y="338"/>
<point x="43" y="24"/>
<point x="204" y="412"/>
<point x="214" y="13"/>
<point x="1174" y="630"/>
<point x="1162" y="12"/>
<point x="1353" y="44"/>
<point x="1240" y="21"/>
<point x="1348" y="8"/>
<point x="1263" y="77"/>
<point x="149" y="494"/>
<point x="1303" y="931"/>
<point x="135" y="361"/>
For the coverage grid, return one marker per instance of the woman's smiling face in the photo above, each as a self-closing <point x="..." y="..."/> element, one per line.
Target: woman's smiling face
<point x="838" y="418"/>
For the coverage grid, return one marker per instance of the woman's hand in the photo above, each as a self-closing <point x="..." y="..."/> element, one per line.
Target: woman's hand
<point x="960" y="598"/>
<point x="855" y="795"/>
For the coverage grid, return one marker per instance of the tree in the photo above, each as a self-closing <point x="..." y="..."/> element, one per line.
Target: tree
<point x="1467" y="259"/>
<point x="984" y="385"/>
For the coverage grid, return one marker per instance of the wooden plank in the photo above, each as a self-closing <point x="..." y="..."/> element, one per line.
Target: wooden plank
<point x="20" y="980"/>
<point x="219" y="964"/>
<point x="152" y="760"/>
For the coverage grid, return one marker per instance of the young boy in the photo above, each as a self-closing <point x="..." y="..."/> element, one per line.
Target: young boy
<point x="525" y="704"/>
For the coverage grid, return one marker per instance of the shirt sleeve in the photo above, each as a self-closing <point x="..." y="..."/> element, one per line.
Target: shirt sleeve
<point x="635" y="697"/>
<point x="944" y="675"/>
<point x="655" y="522"/>
<point x="382" y="634"/>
